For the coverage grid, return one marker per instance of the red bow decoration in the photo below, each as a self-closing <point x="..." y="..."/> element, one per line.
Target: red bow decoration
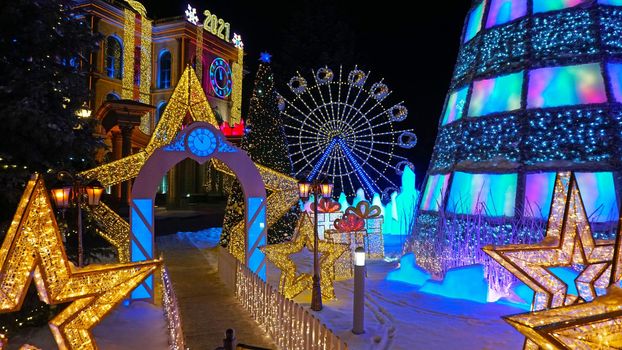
<point x="364" y="210"/>
<point x="326" y="206"/>
<point x="349" y="223"/>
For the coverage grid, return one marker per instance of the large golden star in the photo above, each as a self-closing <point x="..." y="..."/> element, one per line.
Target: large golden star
<point x="187" y="98"/>
<point x="292" y="283"/>
<point x="593" y="325"/>
<point x="33" y="250"/>
<point x="568" y="241"/>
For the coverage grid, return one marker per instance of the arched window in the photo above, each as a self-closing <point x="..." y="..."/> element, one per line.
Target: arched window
<point x="159" y="111"/>
<point x="114" y="58"/>
<point x="164" y="70"/>
<point x="111" y="96"/>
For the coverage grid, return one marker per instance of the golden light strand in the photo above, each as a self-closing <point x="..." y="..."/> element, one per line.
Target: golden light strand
<point x="237" y="72"/>
<point x="33" y="247"/>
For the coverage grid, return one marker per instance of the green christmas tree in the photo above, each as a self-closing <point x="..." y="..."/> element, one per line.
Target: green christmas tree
<point x="266" y="144"/>
<point x="45" y="48"/>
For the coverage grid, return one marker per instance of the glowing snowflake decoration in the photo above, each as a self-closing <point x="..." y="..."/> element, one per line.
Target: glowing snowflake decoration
<point x="237" y="41"/>
<point x="191" y="15"/>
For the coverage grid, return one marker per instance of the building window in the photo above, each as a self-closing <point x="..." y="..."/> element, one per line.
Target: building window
<point x="159" y="112"/>
<point x="111" y="96"/>
<point x="114" y="58"/>
<point x="164" y="70"/>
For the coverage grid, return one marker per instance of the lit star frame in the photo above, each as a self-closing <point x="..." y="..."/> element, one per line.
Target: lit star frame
<point x="292" y="283"/>
<point x="187" y="98"/>
<point x="33" y="250"/>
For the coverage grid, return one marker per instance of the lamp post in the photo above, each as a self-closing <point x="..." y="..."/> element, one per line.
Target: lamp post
<point x="358" y="314"/>
<point x="315" y="188"/>
<point x="73" y="192"/>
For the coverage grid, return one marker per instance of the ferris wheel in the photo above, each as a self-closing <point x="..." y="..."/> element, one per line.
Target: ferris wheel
<point x="342" y="129"/>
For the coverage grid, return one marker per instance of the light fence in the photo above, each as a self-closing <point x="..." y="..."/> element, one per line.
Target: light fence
<point x="171" y="313"/>
<point x="290" y="326"/>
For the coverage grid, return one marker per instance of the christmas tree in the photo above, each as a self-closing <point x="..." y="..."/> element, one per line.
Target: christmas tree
<point x="45" y="47"/>
<point x="266" y="144"/>
<point x="535" y="91"/>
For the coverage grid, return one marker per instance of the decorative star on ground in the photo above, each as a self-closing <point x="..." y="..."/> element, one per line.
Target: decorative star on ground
<point x="291" y="282"/>
<point x="189" y="98"/>
<point x="568" y="241"/>
<point x="593" y="325"/>
<point x="33" y="250"/>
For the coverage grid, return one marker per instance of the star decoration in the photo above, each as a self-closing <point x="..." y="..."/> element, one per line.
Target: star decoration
<point x="265" y="57"/>
<point x="568" y="241"/>
<point x="33" y="250"/>
<point x="291" y="283"/>
<point x="593" y="325"/>
<point x="191" y="15"/>
<point x="187" y="98"/>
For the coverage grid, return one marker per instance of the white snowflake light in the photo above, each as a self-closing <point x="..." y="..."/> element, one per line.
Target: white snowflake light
<point x="191" y="15"/>
<point x="237" y="41"/>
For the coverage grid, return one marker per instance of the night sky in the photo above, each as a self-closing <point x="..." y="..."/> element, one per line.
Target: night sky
<point x="415" y="51"/>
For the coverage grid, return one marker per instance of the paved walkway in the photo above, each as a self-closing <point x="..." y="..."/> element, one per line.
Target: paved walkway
<point x="207" y="307"/>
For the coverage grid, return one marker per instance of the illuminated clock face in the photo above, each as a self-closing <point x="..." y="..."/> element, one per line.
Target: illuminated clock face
<point x="201" y="142"/>
<point x="220" y="77"/>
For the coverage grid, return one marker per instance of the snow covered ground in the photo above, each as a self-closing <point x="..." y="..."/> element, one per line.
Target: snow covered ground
<point x="399" y="316"/>
<point x="137" y="326"/>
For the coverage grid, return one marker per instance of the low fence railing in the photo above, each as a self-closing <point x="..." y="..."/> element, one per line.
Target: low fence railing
<point x="290" y="326"/>
<point x="171" y="313"/>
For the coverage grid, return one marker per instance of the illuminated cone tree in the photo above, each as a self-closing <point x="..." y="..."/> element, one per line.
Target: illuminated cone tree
<point x="536" y="89"/>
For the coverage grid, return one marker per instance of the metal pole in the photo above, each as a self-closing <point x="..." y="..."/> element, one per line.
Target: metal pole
<point x="316" y="295"/>
<point x="358" y="314"/>
<point x="229" y="343"/>
<point x="78" y="193"/>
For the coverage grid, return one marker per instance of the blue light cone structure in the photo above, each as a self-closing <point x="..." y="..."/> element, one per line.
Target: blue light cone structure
<point x="537" y="88"/>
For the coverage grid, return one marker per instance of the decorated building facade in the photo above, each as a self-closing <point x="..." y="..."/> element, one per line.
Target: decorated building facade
<point x="133" y="75"/>
<point x="536" y="90"/>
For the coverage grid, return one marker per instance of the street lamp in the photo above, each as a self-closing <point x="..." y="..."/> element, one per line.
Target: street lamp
<point x="74" y="193"/>
<point x="358" y="304"/>
<point x="316" y="188"/>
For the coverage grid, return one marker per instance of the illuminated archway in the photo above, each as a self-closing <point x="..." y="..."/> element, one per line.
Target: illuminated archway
<point x="200" y="141"/>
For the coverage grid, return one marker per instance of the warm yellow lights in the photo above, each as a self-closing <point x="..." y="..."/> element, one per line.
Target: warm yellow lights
<point x="61" y="197"/>
<point x="291" y="282"/>
<point x="593" y="325"/>
<point x="568" y="242"/>
<point x="33" y="250"/>
<point x="188" y="97"/>
<point x="237" y="74"/>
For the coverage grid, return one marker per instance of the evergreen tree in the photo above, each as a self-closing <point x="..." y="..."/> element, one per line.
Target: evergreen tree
<point x="266" y="144"/>
<point x="44" y="54"/>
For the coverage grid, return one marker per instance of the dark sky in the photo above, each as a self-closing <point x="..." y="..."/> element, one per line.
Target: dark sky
<point x="414" y="50"/>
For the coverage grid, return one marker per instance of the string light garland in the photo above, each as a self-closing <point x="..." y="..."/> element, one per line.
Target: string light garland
<point x="129" y="29"/>
<point x="594" y="325"/>
<point x="115" y="230"/>
<point x="188" y="97"/>
<point x="341" y="129"/>
<point x="198" y="54"/>
<point x="568" y="242"/>
<point x="33" y="248"/>
<point x="291" y="283"/>
<point x="237" y="74"/>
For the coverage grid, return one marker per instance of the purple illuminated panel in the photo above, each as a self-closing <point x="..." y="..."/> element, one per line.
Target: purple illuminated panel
<point x="566" y="86"/>
<point x="599" y="196"/>
<point x="503" y="11"/>
<point x="434" y="192"/>
<point x="500" y="94"/>
<point x="486" y="194"/>
<point x="610" y="2"/>
<point x="455" y="105"/>
<point x="615" y="74"/>
<point x="539" y="194"/>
